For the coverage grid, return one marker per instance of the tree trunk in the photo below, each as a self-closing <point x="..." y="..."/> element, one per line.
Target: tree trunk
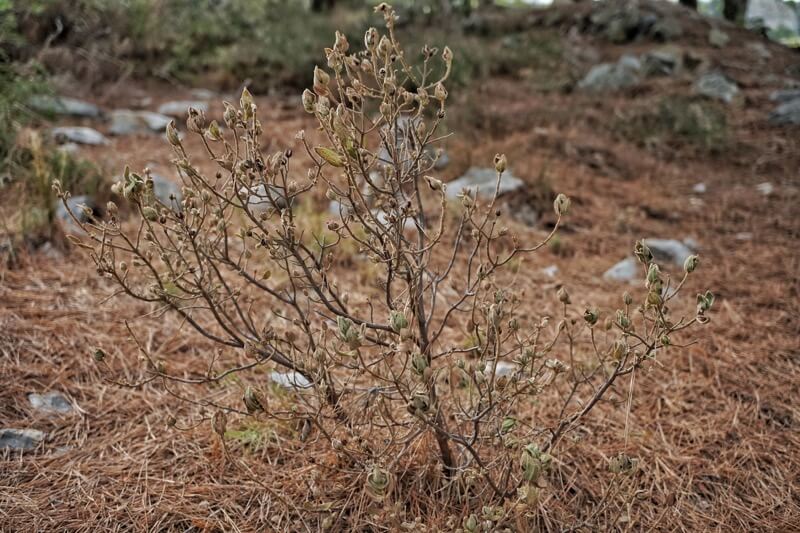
<point x="321" y="5"/>
<point x="733" y="10"/>
<point x="692" y="4"/>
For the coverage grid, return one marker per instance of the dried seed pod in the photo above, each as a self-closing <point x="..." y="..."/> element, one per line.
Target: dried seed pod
<point x="379" y="483"/>
<point x="561" y="205"/>
<point x="219" y="422"/>
<point x="254" y="401"/>
<point x="500" y="163"/>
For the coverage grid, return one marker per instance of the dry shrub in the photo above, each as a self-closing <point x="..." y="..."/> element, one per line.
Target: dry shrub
<point x="426" y="379"/>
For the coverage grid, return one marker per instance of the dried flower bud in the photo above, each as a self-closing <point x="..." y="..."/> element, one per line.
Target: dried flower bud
<point x="691" y="264"/>
<point x="500" y="163"/>
<point x="447" y="56"/>
<point x="321" y="81"/>
<point x="253" y="401"/>
<point x="99" y="355"/>
<point x="371" y="38"/>
<point x="433" y="183"/>
<point x="229" y="115"/>
<point x="149" y="213"/>
<point x="196" y="121"/>
<point x="398" y="321"/>
<point x="219" y="422"/>
<point x="172" y="134"/>
<point x="439" y="92"/>
<point x="247" y="105"/>
<point x="309" y="101"/>
<point x="561" y="205"/>
<point x="379" y="483"/>
<point x="642" y="252"/>
<point x="341" y="45"/>
<point x="112" y="208"/>
<point x="591" y="316"/>
<point x="214" y="133"/>
<point x="627" y="298"/>
<point x="563" y="296"/>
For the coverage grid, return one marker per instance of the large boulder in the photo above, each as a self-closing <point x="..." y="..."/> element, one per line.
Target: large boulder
<point x="625" y="270"/>
<point x="669" y="250"/>
<point x="607" y="77"/>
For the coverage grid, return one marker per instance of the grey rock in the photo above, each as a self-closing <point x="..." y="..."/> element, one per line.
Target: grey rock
<point x="786" y="95"/>
<point x="550" y="271"/>
<point x="700" y="188"/>
<point x="660" y="62"/>
<point x="127" y="122"/>
<point x="203" y="94"/>
<point x="74" y="204"/>
<point x="79" y="134"/>
<point x="484" y="181"/>
<point x="612" y="76"/>
<point x="50" y="402"/>
<point x="666" y="29"/>
<point x="258" y="201"/>
<point x="503" y="368"/>
<point x="289" y="379"/>
<point x="717" y="86"/>
<point x="69" y="148"/>
<point x="625" y="270"/>
<point x="62" y="105"/>
<point x="743" y="236"/>
<point x="20" y="439"/>
<point x="718" y="38"/>
<point x="669" y="250"/>
<point x="765" y="188"/>
<point x="771" y="14"/>
<point x="760" y="50"/>
<point x="180" y="108"/>
<point x="786" y="113"/>
<point x="164" y="187"/>
<point x="692" y="243"/>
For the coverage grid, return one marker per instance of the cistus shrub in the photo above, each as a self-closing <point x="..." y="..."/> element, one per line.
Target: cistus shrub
<point x="435" y="360"/>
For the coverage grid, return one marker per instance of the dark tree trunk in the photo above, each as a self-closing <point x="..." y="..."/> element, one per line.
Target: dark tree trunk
<point x="321" y="5"/>
<point x="733" y="10"/>
<point x="692" y="4"/>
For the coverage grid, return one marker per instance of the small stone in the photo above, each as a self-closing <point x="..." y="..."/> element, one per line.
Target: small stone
<point x="289" y="379"/>
<point x="127" y="122"/>
<point x="503" y="368"/>
<point x="661" y="62"/>
<point x="62" y="105"/>
<point x="484" y="180"/>
<point x="717" y="86"/>
<point x="743" y="236"/>
<point x="50" y="402"/>
<point x="625" y="270"/>
<point x="786" y="113"/>
<point x="550" y="271"/>
<point x="669" y="250"/>
<point x="79" y="134"/>
<point x="786" y="95"/>
<point x="259" y="202"/>
<point x="203" y="94"/>
<point x="718" y="38"/>
<point x="700" y="188"/>
<point x="765" y="188"/>
<point x="180" y="108"/>
<point x="20" y="439"/>
<point x="69" y="148"/>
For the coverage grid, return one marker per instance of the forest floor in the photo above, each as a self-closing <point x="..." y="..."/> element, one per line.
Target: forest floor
<point x="715" y="425"/>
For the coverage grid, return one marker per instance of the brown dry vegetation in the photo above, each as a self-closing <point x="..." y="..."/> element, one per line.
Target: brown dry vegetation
<point x="715" y="426"/>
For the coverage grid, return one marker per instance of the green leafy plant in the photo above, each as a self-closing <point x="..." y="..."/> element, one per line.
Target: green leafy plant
<point x="435" y="361"/>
